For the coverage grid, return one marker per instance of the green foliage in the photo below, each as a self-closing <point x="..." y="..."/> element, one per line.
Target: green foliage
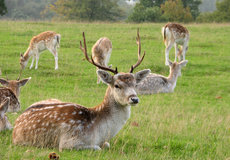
<point x="193" y="5"/>
<point x="175" y="11"/>
<point x="190" y="124"/>
<point x="220" y="15"/>
<point x="142" y="14"/>
<point x="3" y="9"/>
<point x="87" y="10"/>
<point x="171" y="10"/>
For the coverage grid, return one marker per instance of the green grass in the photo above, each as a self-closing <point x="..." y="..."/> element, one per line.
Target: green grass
<point x="190" y="123"/>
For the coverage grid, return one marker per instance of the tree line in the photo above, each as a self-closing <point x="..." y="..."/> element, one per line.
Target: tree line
<point x="114" y="10"/>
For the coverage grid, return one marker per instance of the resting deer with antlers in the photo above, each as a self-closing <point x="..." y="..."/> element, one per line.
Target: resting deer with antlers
<point x="155" y="83"/>
<point x="101" y="52"/>
<point x="11" y="89"/>
<point x="175" y="34"/>
<point x="72" y="126"/>
<point x="48" y="40"/>
<point x="4" y="123"/>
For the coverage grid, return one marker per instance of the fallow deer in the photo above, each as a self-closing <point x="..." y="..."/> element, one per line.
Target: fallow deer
<point x="11" y="89"/>
<point x="155" y="83"/>
<point x="48" y="40"/>
<point x="101" y="52"/>
<point x="175" y="34"/>
<point x="4" y="123"/>
<point x="72" y="126"/>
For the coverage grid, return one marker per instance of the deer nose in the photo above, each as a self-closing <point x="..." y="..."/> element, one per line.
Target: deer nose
<point x="135" y="100"/>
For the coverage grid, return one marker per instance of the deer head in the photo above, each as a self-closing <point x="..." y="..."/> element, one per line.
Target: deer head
<point x="175" y="67"/>
<point x="14" y="85"/>
<point x="122" y="85"/>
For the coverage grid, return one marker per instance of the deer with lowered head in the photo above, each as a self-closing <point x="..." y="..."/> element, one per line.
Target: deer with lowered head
<point x="101" y="52"/>
<point x="11" y="89"/>
<point x="48" y="40"/>
<point x="175" y="34"/>
<point x="155" y="83"/>
<point x="4" y="123"/>
<point x="72" y="126"/>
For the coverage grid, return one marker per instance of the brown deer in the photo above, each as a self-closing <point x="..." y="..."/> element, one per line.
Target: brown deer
<point x="155" y="83"/>
<point x="101" y="52"/>
<point x="175" y="34"/>
<point x="48" y="40"/>
<point x="4" y="123"/>
<point x="72" y="126"/>
<point x="11" y="89"/>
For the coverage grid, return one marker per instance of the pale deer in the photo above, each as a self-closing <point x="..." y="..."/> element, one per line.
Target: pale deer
<point x="72" y="126"/>
<point x="101" y="52"/>
<point x="48" y="40"/>
<point x="155" y="83"/>
<point x="175" y="34"/>
<point x="4" y="123"/>
<point x="11" y="89"/>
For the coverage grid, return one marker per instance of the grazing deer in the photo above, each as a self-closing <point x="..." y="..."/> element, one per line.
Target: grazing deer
<point x="46" y="40"/>
<point x="175" y="34"/>
<point x="72" y="126"/>
<point x="11" y="89"/>
<point x="4" y="123"/>
<point x="101" y="52"/>
<point x="155" y="83"/>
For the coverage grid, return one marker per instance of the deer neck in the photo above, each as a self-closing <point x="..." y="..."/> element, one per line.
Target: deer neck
<point x="110" y="115"/>
<point x="27" y="54"/>
<point x="172" y="78"/>
<point x="109" y="104"/>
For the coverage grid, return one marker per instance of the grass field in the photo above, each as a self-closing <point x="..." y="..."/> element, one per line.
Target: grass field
<point x="191" y="123"/>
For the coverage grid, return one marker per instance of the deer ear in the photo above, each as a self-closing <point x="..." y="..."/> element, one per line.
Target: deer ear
<point x="4" y="106"/>
<point x="105" y="76"/>
<point x="23" y="82"/>
<point x="4" y="82"/>
<point x="139" y="76"/>
<point x="183" y="63"/>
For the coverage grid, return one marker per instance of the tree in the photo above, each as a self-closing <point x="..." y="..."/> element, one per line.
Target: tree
<point x="193" y="5"/>
<point x="90" y="10"/>
<point x="3" y="9"/>
<point x="175" y="11"/>
<point x="220" y="15"/>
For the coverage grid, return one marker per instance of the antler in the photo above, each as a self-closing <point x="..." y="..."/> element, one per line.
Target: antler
<point x="84" y="50"/>
<point x="140" y="59"/>
<point x="19" y="75"/>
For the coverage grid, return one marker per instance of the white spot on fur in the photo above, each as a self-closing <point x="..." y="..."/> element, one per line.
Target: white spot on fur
<point x="71" y="121"/>
<point x="80" y="112"/>
<point x="48" y="107"/>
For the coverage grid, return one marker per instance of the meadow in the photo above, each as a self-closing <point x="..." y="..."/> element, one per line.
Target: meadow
<point x="191" y="123"/>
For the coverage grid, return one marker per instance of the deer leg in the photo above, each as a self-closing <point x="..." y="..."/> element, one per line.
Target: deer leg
<point x="176" y="51"/>
<point x="184" y="50"/>
<point x="167" y="53"/>
<point x="72" y="143"/>
<point x="37" y="59"/>
<point x="32" y="63"/>
<point x="55" y="54"/>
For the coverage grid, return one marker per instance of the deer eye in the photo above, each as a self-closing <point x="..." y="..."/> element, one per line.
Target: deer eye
<point x="116" y="86"/>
